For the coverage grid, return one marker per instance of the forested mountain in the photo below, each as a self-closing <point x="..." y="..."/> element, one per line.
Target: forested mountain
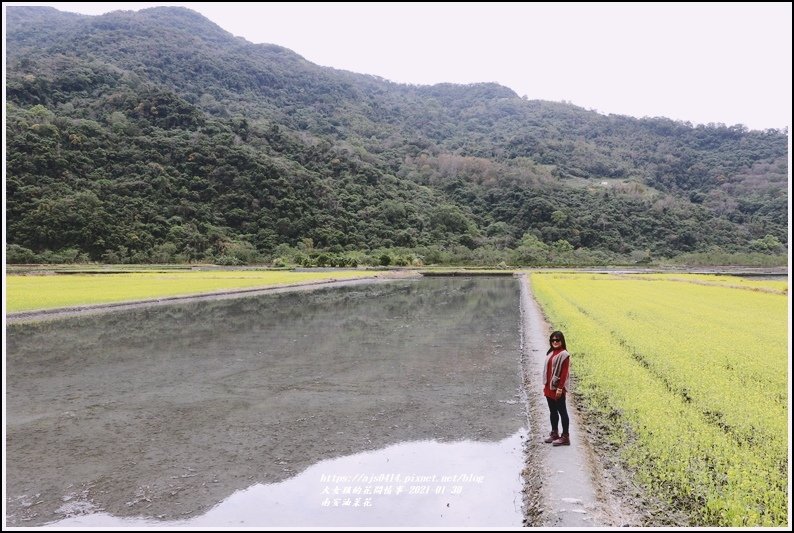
<point x="157" y="136"/>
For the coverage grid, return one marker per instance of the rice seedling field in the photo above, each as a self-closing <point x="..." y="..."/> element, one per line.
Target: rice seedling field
<point x="25" y="293"/>
<point x="689" y="376"/>
<point x="735" y="282"/>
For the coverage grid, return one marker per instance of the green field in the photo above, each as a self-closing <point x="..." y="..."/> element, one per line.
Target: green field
<point x="34" y="292"/>
<point x="688" y="377"/>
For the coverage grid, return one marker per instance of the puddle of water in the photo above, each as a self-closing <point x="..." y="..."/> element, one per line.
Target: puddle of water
<point x="462" y="484"/>
<point x="165" y="412"/>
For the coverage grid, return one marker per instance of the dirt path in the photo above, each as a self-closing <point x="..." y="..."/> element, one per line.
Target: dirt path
<point x="565" y="485"/>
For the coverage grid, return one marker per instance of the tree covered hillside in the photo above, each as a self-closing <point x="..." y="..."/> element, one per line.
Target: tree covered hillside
<point x="156" y="136"/>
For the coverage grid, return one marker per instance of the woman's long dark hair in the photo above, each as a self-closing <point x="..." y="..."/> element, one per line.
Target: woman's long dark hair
<point x="560" y="336"/>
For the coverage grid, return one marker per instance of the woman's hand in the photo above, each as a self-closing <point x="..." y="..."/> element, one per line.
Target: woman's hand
<point x="559" y="393"/>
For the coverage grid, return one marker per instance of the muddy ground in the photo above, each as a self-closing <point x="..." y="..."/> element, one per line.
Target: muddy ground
<point x="149" y="441"/>
<point x="163" y="412"/>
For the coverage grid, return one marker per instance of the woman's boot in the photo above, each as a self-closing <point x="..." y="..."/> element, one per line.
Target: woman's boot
<point x="552" y="437"/>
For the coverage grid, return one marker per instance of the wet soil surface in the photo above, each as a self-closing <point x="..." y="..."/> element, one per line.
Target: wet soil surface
<point x="161" y="413"/>
<point x="212" y="411"/>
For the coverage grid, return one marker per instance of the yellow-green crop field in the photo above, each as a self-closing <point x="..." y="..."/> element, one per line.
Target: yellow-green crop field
<point x="734" y="282"/>
<point x="25" y="293"/>
<point x="689" y="376"/>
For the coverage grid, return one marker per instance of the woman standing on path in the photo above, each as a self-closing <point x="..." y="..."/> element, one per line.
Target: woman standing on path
<point x="555" y="385"/>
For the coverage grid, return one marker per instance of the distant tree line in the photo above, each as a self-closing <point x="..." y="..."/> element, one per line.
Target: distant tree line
<point x="156" y="137"/>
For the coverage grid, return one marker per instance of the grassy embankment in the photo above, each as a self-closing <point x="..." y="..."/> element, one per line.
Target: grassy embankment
<point x="687" y="375"/>
<point x="27" y="293"/>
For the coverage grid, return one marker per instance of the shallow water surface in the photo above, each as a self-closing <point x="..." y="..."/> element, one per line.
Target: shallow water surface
<point x="415" y="484"/>
<point x="261" y="407"/>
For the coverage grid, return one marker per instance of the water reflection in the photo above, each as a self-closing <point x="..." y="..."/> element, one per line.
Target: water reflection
<point x="462" y="484"/>
<point x="164" y="412"/>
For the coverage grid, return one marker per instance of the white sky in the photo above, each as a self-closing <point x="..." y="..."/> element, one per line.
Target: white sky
<point x="728" y="62"/>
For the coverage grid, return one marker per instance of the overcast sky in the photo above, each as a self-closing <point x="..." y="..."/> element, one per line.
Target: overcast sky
<point x="703" y="63"/>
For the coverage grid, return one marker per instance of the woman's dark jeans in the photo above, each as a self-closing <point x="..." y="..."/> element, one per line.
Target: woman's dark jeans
<point x="558" y="410"/>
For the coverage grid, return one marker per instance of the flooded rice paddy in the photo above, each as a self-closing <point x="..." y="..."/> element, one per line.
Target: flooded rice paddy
<point x="396" y="404"/>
